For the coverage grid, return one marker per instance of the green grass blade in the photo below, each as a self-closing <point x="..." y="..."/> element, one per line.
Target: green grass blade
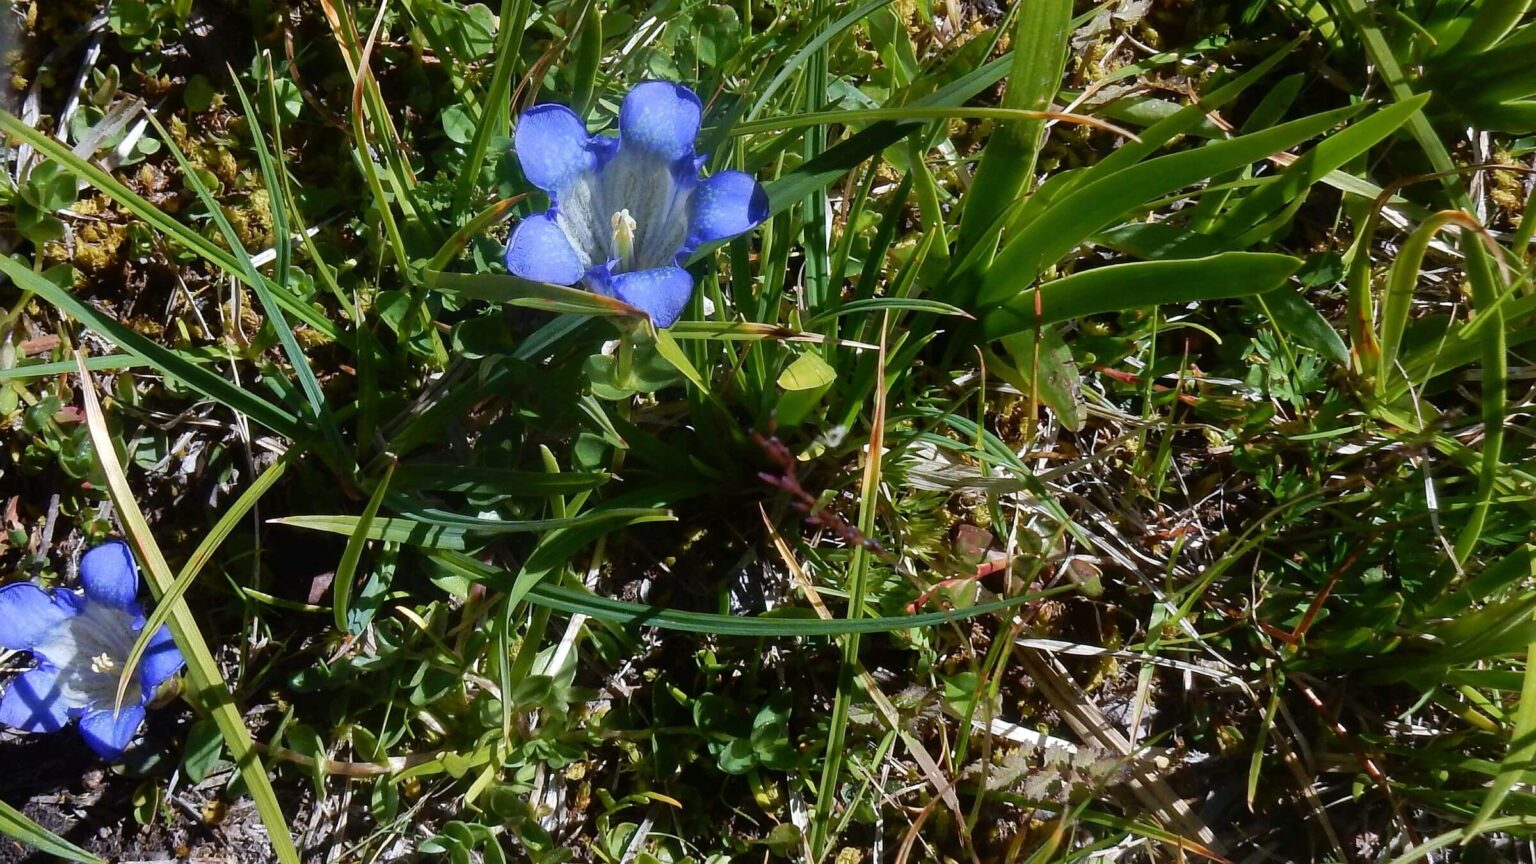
<point x="1494" y="20"/>
<point x="168" y="362"/>
<point x="1495" y="363"/>
<point x="189" y="572"/>
<point x="509" y="39"/>
<point x="1522" y="748"/>
<point x="208" y="686"/>
<point x="14" y="823"/>
<point x="1142" y="283"/>
<point x="790" y="622"/>
<point x="494" y="481"/>
<point x="515" y="291"/>
<point x="858" y="584"/>
<point x="1288" y="191"/>
<point x="346" y="571"/>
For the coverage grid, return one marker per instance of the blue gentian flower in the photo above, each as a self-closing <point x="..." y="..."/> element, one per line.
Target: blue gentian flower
<point x="81" y="643"/>
<point x="626" y="212"/>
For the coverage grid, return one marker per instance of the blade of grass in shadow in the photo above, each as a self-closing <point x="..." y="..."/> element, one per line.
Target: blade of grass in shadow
<point x="208" y="686"/>
<point x="787" y="622"/>
<point x="15" y="824"/>
<point x="168" y="362"/>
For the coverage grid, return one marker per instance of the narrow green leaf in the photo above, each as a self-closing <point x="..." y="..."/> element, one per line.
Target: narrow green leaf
<point x="514" y="291"/>
<point x="200" y="557"/>
<point x="509" y="37"/>
<point x="1288" y="190"/>
<point x="782" y="624"/>
<point x="346" y="571"/>
<point x="493" y="481"/>
<point x="890" y="304"/>
<point x="15" y="824"/>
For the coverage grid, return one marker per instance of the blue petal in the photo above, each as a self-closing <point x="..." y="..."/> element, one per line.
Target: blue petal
<point x="109" y="575"/>
<point x="109" y="735"/>
<point x="27" y="614"/>
<point x="34" y="702"/>
<point x="662" y="292"/>
<point x="661" y="117"/>
<point x="161" y="661"/>
<point x="540" y="251"/>
<point x="552" y="146"/>
<point x="725" y="205"/>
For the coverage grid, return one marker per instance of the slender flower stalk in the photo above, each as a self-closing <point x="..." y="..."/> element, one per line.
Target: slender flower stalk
<point x="80" y="642"/>
<point x="626" y="212"/>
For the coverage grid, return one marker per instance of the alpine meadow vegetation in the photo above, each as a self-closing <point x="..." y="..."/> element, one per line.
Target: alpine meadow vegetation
<point x="768" y="430"/>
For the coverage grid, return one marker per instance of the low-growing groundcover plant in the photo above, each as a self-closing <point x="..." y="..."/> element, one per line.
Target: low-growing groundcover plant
<point x="603" y="431"/>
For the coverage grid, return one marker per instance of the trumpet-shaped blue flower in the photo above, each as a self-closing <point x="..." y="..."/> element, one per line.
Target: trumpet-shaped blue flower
<point x="81" y="641"/>
<point x="626" y="212"/>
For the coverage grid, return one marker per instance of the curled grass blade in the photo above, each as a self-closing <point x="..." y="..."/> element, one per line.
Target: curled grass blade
<point x="208" y="686"/>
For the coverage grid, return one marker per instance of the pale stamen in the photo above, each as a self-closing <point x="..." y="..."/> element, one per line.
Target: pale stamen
<point x="624" y="226"/>
<point x="102" y="663"/>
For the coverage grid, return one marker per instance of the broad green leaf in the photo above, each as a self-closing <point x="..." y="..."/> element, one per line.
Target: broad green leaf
<point x="1292" y="315"/>
<point x="1094" y="206"/>
<point x="1143" y="283"/>
<point x="1007" y="165"/>
<point x="807" y="372"/>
